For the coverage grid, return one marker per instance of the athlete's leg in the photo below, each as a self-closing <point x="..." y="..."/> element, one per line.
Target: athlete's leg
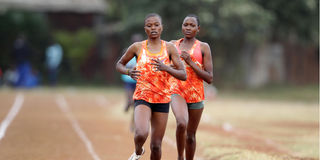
<point x="129" y="93"/>
<point x="142" y="115"/>
<point x="131" y="104"/>
<point x="158" y="127"/>
<point x="132" y="122"/>
<point x="180" y="111"/>
<point x="194" y="119"/>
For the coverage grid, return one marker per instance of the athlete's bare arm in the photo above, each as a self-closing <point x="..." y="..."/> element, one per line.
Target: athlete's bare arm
<point x="127" y="56"/>
<point x="207" y="73"/>
<point x="179" y="69"/>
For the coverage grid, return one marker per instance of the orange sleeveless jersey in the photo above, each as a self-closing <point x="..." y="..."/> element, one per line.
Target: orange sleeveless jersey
<point x="192" y="89"/>
<point x="152" y="86"/>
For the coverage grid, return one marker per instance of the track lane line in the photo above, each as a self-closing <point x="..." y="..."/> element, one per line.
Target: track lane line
<point x="12" y="113"/>
<point x="63" y="105"/>
<point x="102" y="101"/>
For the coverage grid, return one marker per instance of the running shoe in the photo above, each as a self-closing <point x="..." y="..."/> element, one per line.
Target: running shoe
<point x="134" y="156"/>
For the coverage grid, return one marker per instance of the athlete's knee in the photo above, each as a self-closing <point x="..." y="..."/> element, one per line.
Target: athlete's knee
<point x="182" y="122"/>
<point x="181" y="125"/>
<point x="191" y="138"/>
<point x="140" y="135"/>
<point x="155" y="146"/>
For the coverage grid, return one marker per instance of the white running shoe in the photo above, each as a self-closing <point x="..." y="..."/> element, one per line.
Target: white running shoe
<point x="134" y="156"/>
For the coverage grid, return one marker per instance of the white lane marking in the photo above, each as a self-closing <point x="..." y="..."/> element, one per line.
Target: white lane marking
<point x="63" y="105"/>
<point x="102" y="101"/>
<point x="228" y="127"/>
<point x="12" y="113"/>
<point x="206" y="118"/>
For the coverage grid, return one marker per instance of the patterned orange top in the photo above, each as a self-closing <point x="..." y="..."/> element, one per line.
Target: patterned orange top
<point x="191" y="89"/>
<point x="152" y="86"/>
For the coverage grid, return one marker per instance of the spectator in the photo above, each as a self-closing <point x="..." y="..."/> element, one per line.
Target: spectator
<point x="21" y="54"/>
<point x="54" y="55"/>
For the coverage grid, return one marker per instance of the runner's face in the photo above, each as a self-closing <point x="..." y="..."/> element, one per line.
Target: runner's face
<point x="190" y="27"/>
<point x="153" y="27"/>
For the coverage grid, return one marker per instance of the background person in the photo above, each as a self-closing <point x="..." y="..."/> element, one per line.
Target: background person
<point x="129" y="86"/>
<point x="26" y="75"/>
<point x="54" y="55"/>
<point x="129" y="83"/>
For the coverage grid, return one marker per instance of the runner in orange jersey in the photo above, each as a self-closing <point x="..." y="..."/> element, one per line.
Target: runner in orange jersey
<point x="152" y="94"/>
<point x="187" y="96"/>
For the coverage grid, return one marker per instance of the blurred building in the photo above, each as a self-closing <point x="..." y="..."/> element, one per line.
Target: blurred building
<point x="279" y="63"/>
<point x="77" y="6"/>
<point x="62" y="14"/>
<point x="68" y="15"/>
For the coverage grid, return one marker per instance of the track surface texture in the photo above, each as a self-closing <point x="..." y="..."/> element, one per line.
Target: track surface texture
<point x="88" y="124"/>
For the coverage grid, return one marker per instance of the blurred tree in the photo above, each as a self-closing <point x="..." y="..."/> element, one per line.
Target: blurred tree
<point x="230" y="27"/>
<point x="297" y="18"/>
<point x="33" y="25"/>
<point x="76" y="46"/>
<point x="223" y="23"/>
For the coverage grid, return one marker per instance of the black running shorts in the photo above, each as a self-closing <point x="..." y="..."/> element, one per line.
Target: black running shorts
<point x="155" y="107"/>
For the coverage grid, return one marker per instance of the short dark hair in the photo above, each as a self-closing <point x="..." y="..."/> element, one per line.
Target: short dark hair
<point x="152" y="15"/>
<point x="194" y="16"/>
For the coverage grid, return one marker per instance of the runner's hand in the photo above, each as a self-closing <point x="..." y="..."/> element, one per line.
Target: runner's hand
<point x="134" y="73"/>
<point x="185" y="56"/>
<point x="173" y="66"/>
<point x="159" y="65"/>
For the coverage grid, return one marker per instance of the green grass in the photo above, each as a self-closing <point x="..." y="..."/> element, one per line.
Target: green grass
<point x="230" y="153"/>
<point x="308" y="93"/>
<point x="269" y="114"/>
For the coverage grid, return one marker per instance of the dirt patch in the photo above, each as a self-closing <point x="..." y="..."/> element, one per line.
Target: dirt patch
<point x="250" y="141"/>
<point x="300" y="125"/>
